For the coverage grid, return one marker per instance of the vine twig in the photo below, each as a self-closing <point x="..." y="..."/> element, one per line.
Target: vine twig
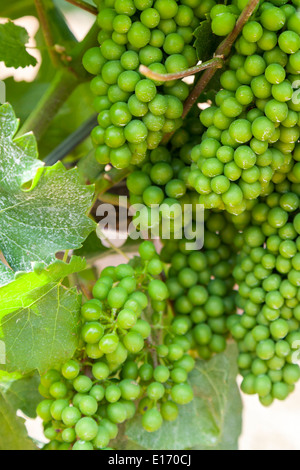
<point x="115" y="248"/>
<point x="62" y="86"/>
<point x="113" y="199"/>
<point x="84" y="6"/>
<point x="223" y="50"/>
<point x="45" y="25"/>
<point x="109" y="179"/>
<point x="216" y="62"/>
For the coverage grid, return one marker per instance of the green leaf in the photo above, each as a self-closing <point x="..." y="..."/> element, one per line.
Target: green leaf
<point x="231" y="417"/>
<point x="44" y="335"/>
<point x="18" y="9"/>
<point x="206" y="42"/>
<point x="50" y="215"/>
<point x="22" y="292"/>
<point x="40" y="318"/>
<point x="211" y="421"/>
<point x="13" y="434"/>
<point x="6" y="274"/>
<point x="23" y="394"/>
<point x="13" y="40"/>
<point x="18" y="159"/>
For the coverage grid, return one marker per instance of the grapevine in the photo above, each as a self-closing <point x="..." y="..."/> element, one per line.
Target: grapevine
<point x="184" y="115"/>
<point x="115" y="366"/>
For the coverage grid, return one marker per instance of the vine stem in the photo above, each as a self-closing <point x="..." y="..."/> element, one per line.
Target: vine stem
<point x="109" y="179"/>
<point x="66" y="80"/>
<point x="44" y="22"/>
<point x="113" y="199"/>
<point x="115" y="248"/>
<point x="84" y="6"/>
<point x="63" y="85"/>
<point x="223" y="51"/>
<point x="216" y="62"/>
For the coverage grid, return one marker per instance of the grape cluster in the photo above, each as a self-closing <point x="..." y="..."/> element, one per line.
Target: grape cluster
<point x="161" y="182"/>
<point x="135" y="112"/>
<point x="125" y="363"/>
<point x="201" y="287"/>
<point x="268" y="276"/>
<point x="253" y="127"/>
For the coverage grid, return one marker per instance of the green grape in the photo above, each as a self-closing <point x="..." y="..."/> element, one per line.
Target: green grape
<point x="152" y="420"/>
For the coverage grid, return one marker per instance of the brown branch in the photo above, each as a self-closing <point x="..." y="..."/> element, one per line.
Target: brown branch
<point x="217" y="62"/>
<point x="223" y="50"/>
<point x="84" y="6"/>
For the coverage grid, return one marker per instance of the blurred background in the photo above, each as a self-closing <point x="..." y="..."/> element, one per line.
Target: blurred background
<point x="274" y="428"/>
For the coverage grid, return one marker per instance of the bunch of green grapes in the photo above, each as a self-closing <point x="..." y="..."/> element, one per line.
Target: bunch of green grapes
<point x="123" y="364"/>
<point x="253" y="127"/>
<point x="268" y="276"/>
<point x="135" y="112"/>
<point x="162" y="181"/>
<point x="201" y="286"/>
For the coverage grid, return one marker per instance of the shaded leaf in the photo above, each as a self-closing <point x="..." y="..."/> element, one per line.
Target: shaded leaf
<point x="13" y="434"/>
<point x="232" y="412"/>
<point x="13" y="52"/>
<point x="206" y="42"/>
<point x="212" y="420"/>
<point x="23" y="394"/>
<point x="18" y="9"/>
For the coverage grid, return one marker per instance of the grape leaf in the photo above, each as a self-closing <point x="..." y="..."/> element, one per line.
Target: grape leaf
<point x="47" y="217"/>
<point x="40" y="318"/>
<point x="22" y="292"/>
<point x="18" y="157"/>
<point x="18" y="9"/>
<point x="232" y="412"/>
<point x="6" y="274"/>
<point x="212" y="420"/>
<point x="23" y="394"/>
<point x="13" y="40"/>
<point x="13" y="434"/>
<point x="25" y="95"/>
<point x="206" y="42"/>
